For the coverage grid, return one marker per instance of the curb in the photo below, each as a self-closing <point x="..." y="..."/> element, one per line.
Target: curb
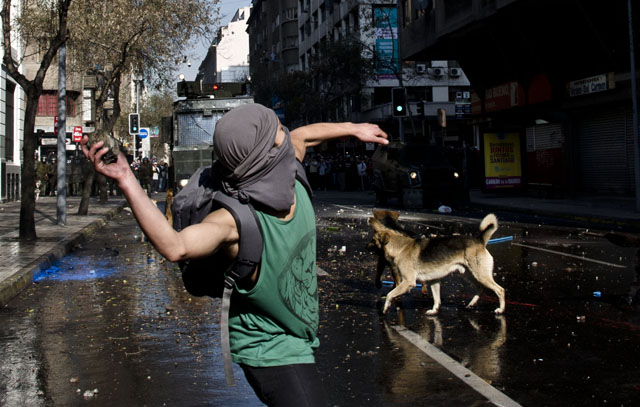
<point x="593" y="219"/>
<point x="13" y="285"/>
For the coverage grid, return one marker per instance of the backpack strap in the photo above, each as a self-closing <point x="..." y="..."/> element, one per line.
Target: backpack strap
<point x="301" y="175"/>
<point x="249" y="255"/>
<point x="250" y="243"/>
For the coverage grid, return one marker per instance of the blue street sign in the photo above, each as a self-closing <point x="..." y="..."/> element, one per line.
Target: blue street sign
<point x="144" y="133"/>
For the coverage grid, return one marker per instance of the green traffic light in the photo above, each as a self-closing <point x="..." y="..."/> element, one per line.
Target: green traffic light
<point x="399" y="108"/>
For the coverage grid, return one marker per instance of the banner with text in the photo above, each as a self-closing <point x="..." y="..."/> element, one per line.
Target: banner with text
<point x="386" y="37"/>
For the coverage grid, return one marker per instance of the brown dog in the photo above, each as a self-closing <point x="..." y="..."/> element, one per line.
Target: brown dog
<point x="390" y="220"/>
<point x="431" y="259"/>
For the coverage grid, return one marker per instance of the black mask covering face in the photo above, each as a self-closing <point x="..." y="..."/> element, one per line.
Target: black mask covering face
<point x="255" y="170"/>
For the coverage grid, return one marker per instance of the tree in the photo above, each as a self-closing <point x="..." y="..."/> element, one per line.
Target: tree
<point x="340" y="69"/>
<point x="120" y="39"/>
<point x="159" y="105"/>
<point x="42" y="29"/>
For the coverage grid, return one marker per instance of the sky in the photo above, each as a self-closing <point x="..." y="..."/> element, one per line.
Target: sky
<point x="198" y="51"/>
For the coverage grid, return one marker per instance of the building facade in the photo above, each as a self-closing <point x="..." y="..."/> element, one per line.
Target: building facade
<point x="12" y="102"/>
<point x="11" y="132"/>
<point x="439" y="85"/>
<point x="554" y="87"/>
<point x="273" y="38"/>
<point x="232" y="48"/>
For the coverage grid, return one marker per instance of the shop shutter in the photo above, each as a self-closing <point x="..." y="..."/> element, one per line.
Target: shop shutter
<point x="605" y="162"/>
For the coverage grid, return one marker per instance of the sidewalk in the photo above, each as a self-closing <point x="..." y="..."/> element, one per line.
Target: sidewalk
<point x="21" y="261"/>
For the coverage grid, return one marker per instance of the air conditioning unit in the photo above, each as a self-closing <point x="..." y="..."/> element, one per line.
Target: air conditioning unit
<point x="436" y="71"/>
<point x="455" y="72"/>
<point x="421" y="69"/>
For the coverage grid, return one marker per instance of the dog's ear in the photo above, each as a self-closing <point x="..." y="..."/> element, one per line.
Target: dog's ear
<point x="393" y="214"/>
<point x="376" y="224"/>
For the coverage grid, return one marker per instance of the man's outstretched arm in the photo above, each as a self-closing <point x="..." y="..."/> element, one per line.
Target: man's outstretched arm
<point x="314" y="134"/>
<point x="194" y="241"/>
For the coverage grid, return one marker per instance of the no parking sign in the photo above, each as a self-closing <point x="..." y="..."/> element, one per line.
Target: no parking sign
<point x="77" y="134"/>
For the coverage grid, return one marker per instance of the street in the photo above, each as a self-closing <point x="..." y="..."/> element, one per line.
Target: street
<point x="111" y="324"/>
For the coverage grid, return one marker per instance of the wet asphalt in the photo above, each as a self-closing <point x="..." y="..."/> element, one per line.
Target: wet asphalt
<point x="110" y="324"/>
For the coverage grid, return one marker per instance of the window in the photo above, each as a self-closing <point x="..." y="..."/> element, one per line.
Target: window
<point x="8" y="125"/>
<point x="48" y="105"/>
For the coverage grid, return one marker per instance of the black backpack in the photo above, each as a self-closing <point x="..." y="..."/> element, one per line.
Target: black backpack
<point x="216" y="275"/>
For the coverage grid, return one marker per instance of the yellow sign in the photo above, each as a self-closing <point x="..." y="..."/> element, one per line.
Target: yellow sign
<point x="502" y="163"/>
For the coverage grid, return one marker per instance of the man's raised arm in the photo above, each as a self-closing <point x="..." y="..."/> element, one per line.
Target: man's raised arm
<point x="314" y="134"/>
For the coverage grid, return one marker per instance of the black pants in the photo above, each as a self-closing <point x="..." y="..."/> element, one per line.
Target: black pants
<point x="289" y="385"/>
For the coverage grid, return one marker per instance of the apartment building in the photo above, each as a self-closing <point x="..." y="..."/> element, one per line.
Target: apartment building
<point x="374" y="25"/>
<point x="273" y="37"/>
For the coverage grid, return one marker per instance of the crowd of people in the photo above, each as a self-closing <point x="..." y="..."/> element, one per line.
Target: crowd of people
<point x="47" y="175"/>
<point x="151" y="174"/>
<point x="339" y="172"/>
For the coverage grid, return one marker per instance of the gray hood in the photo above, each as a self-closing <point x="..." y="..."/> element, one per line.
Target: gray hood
<point x="255" y="170"/>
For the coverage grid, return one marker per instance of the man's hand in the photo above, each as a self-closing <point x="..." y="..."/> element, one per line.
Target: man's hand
<point x="370" y="133"/>
<point x="117" y="170"/>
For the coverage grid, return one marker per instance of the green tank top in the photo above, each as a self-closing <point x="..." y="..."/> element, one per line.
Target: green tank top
<point x="276" y="322"/>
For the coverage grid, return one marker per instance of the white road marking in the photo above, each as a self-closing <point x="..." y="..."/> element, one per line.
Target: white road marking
<point x="569" y="255"/>
<point x="494" y="395"/>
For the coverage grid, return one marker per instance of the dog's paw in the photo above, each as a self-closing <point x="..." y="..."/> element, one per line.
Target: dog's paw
<point x="498" y="311"/>
<point x="432" y="312"/>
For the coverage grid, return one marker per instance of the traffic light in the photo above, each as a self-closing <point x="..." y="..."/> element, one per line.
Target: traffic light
<point x="421" y="108"/>
<point x="134" y="123"/>
<point x="399" y="102"/>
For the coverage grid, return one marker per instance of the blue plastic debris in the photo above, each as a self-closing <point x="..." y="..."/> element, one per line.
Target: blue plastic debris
<point x="500" y="239"/>
<point x="597" y="294"/>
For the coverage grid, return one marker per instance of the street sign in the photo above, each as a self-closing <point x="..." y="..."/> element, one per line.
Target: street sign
<point x="144" y="132"/>
<point x="77" y="134"/>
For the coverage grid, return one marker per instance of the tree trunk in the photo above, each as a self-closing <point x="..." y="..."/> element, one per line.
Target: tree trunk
<point x="101" y="179"/>
<point x="89" y="174"/>
<point x="27" y="229"/>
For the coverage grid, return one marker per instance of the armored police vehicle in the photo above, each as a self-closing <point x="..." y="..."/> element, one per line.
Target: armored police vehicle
<point x="194" y="121"/>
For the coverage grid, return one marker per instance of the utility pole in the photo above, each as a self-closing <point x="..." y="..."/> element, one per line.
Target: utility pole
<point x="137" y="82"/>
<point x="61" y="187"/>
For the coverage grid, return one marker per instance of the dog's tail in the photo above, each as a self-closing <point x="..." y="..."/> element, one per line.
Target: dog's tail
<point x="487" y="227"/>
